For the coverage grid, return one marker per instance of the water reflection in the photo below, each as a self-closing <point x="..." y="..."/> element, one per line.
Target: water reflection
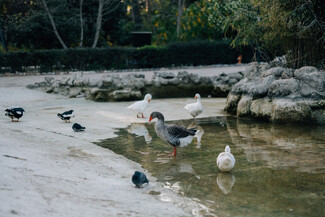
<point x="280" y="170"/>
<point x="225" y="182"/>
<point x="199" y="134"/>
<point x="140" y="130"/>
<point x="187" y="168"/>
<point x="293" y="148"/>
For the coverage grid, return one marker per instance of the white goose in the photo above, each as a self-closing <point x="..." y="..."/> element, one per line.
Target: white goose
<point x="225" y="160"/>
<point x="195" y="108"/>
<point x="139" y="106"/>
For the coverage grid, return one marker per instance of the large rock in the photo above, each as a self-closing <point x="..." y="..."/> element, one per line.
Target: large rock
<point x="285" y="111"/>
<point x="279" y="94"/>
<point x="261" y="108"/>
<point x="283" y="87"/>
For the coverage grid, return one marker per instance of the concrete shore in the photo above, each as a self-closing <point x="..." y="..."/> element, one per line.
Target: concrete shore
<point x="50" y="170"/>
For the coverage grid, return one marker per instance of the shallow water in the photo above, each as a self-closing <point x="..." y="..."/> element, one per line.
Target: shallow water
<point x="279" y="171"/>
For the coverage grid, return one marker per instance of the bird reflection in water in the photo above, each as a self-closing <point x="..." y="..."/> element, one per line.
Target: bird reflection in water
<point x="187" y="168"/>
<point x="140" y="130"/>
<point x="225" y="182"/>
<point x="198" y="134"/>
<point x="179" y="168"/>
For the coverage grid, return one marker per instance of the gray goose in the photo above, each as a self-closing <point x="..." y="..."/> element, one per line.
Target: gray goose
<point x="174" y="135"/>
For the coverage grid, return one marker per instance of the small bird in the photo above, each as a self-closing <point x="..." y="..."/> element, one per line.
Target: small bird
<point x="77" y="127"/>
<point x="195" y="108"/>
<point x="174" y="135"/>
<point x="225" y="160"/>
<point x="139" y="106"/>
<point x="66" y="116"/>
<point x="15" y="113"/>
<point x="139" y="179"/>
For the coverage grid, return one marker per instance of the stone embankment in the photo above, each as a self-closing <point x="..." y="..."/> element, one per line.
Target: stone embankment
<point x="279" y="94"/>
<point x="115" y="87"/>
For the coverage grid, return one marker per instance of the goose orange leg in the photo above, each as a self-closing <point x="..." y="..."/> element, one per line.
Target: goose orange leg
<point x="174" y="151"/>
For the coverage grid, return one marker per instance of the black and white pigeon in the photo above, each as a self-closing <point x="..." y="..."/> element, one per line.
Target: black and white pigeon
<point x="66" y="116"/>
<point x="77" y="127"/>
<point x="176" y="136"/>
<point x="139" y="178"/>
<point x="15" y="113"/>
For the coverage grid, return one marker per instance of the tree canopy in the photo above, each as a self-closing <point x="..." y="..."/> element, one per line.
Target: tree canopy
<point x="271" y="27"/>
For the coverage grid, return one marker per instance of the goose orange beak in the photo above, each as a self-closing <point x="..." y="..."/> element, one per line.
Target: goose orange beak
<point x="150" y="118"/>
<point x="148" y="100"/>
<point x="195" y="97"/>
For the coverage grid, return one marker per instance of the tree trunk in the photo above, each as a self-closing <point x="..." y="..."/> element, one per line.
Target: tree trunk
<point x="136" y="15"/>
<point x="54" y="26"/>
<point x="179" y="16"/>
<point x="3" y="39"/>
<point x="99" y="22"/>
<point x="81" y="25"/>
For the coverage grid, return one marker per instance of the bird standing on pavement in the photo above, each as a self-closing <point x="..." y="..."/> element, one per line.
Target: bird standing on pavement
<point x="139" y="179"/>
<point x="77" y="127"/>
<point x="15" y="113"/>
<point x="195" y="108"/>
<point x="139" y="106"/>
<point x="66" y="116"/>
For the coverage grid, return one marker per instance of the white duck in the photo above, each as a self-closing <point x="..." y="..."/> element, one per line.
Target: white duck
<point x="139" y="106"/>
<point x="225" y="160"/>
<point x="195" y="108"/>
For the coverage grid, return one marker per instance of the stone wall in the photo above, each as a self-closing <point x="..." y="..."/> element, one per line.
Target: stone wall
<point x="115" y="87"/>
<point x="279" y="94"/>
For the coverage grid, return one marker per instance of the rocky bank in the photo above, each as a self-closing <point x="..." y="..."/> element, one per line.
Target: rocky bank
<point x="115" y="87"/>
<point x="279" y="94"/>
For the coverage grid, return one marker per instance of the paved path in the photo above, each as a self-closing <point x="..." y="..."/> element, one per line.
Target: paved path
<point x="49" y="170"/>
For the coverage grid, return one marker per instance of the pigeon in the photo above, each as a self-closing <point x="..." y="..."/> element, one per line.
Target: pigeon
<point x="174" y="135"/>
<point x="15" y="113"/>
<point x="139" y="179"/>
<point x="77" y="127"/>
<point x="66" y="116"/>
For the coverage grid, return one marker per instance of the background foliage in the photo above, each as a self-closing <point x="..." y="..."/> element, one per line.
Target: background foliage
<point x="269" y="27"/>
<point x="174" y="54"/>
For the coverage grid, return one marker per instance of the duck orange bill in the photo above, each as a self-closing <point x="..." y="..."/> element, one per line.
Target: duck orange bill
<point x="148" y="100"/>
<point x="150" y="118"/>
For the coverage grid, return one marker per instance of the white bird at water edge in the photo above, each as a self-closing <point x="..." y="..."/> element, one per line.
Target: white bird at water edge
<point x="195" y="108"/>
<point x="139" y="106"/>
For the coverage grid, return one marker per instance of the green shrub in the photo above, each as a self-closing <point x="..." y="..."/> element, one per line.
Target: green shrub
<point x="174" y="54"/>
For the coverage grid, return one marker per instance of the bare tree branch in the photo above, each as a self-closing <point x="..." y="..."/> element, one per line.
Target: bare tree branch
<point x="110" y="8"/>
<point x="53" y="25"/>
<point x="98" y="22"/>
<point x="81" y="25"/>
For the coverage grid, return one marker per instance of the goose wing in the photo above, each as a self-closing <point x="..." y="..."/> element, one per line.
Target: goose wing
<point x="175" y="131"/>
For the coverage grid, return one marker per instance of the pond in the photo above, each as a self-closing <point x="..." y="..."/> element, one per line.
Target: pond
<point x="279" y="171"/>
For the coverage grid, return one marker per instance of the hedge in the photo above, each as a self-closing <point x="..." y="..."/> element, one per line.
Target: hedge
<point x="174" y="54"/>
